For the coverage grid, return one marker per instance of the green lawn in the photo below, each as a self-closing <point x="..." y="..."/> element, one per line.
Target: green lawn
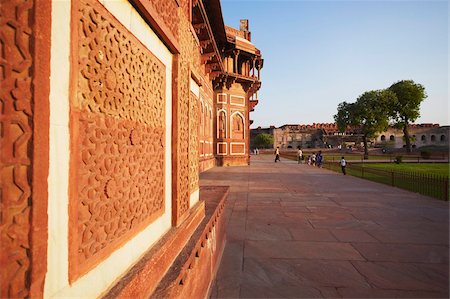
<point x="426" y="178"/>
<point x="441" y="169"/>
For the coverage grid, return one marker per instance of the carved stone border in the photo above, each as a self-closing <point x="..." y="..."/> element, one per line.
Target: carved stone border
<point x="24" y="143"/>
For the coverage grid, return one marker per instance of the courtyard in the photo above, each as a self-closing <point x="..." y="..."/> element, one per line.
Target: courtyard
<point x="298" y="231"/>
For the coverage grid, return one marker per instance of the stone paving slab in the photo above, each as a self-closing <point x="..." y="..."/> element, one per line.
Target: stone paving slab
<point x="301" y="249"/>
<point x="298" y="231"/>
<point x="353" y="236"/>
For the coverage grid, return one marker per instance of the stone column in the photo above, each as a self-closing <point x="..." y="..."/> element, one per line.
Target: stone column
<point x="259" y="69"/>
<point x="253" y="66"/>
<point x="236" y="57"/>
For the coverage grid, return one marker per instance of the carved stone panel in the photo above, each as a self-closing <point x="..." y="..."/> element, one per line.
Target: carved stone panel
<point x="181" y="203"/>
<point x="193" y="144"/>
<point x="117" y="138"/>
<point x="16" y="142"/>
<point x="167" y="10"/>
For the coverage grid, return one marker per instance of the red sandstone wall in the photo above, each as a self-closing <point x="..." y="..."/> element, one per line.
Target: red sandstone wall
<point x="117" y="137"/>
<point x="25" y="50"/>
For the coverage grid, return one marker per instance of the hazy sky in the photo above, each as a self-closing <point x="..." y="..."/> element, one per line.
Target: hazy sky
<point x="320" y="53"/>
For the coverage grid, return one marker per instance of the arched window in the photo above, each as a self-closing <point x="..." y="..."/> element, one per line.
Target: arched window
<point x="238" y="126"/>
<point x="433" y="138"/>
<point x="442" y="137"/>
<point x="423" y="138"/>
<point x="392" y="138"/>
<point x="383" y="138"/>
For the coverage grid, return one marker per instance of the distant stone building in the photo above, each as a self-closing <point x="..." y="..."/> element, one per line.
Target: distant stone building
<point x="307" y="136"/>
<point x="291" y="136"/>
<point x="324" y="135"/>
<point x="421" y="135"/>
<point x="256" y="132"/>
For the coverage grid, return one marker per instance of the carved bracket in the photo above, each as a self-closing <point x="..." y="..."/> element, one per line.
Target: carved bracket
<point x="207" y="57"/>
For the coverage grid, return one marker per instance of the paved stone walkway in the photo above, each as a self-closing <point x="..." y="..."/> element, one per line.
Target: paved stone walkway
<point x="297" y="231"/>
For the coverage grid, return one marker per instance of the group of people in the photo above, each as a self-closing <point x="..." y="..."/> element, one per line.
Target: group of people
<point x="315" y="160"/>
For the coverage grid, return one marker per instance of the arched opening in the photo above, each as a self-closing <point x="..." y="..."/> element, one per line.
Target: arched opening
<point x="392" y="138"/>
<point x="443" y="138"/>
<point x="238" y="126"/>
<point x="221" y="124"/>
<point x="433" y="138"/>
<point x="383" y="138"/>
<point x="423" y="138"/>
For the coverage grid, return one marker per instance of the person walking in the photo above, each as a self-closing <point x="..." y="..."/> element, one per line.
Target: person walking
<point x="343" y="165"/>
<point x="313" y="159"/>
<point x="277" y="154"/>
<point x="319" y="159"/>
<point x="299" y="155"/>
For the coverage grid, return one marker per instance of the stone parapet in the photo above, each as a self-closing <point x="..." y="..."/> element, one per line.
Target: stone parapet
<point x="184" y="262"/>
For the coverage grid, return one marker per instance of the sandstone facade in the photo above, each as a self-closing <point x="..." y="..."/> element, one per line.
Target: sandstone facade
<point x="110" y="110"/>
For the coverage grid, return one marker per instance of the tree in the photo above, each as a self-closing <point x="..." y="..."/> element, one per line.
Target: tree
<point x="343" y="116"/>
<point x="405" y="107"/>
<point x="264" y="140"/>
<point x="368" y="115"/>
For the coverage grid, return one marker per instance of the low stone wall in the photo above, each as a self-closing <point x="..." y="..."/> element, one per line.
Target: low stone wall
<point x="184" y="263"/>
<point x="194" y="270"/>
<point x="233" y="161"/>
<point x="206" y="164"/>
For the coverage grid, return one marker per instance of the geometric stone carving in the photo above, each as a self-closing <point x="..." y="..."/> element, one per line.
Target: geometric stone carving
<point x="16" y="142"/>
<point x="118" y="138"/>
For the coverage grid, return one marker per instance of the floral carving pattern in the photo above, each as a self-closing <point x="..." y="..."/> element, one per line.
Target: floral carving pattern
<point x="193" y="143"/>
<point x="119" y="76"/>
<point x="120" y="145"/>
<point x="121" y="180"/>
<point x="16" y="123"/>
<point x="184" y="118"/>
<point x="167" y="10"/>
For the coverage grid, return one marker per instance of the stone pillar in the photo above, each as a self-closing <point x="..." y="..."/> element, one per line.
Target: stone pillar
<point x="236" y="58"/>
<point x="259" y="69"/>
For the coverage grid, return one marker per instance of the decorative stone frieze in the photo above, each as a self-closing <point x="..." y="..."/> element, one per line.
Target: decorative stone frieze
<point x="16" y="141"/>
<point x="117" y="141"/>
